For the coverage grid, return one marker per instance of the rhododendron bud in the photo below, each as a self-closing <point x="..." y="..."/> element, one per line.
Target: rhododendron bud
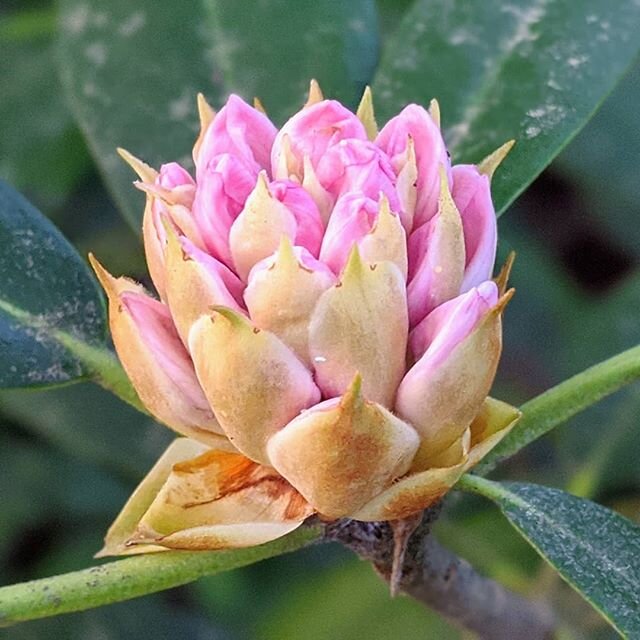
<point x="343" y="452"/>
<point x="221" y="194"/>
<point x="369" y="224"/>
<point x="311" y="133"/>
<point x="472" y="195"/>
<point x="416" y="124"/>
<point x="242" y="132"/>
<point x="327" y="330"/>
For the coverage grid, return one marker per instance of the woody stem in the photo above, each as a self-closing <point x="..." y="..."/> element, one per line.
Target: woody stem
<point x="442" y="581"/>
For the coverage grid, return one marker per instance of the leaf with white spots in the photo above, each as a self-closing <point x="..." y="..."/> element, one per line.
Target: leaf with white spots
<point x="595" y="550"/>
<point x="272" y="49"/>
<point x="52" y="316"/>
<point x="533" y="71"/>
<point x="132" y="72"/>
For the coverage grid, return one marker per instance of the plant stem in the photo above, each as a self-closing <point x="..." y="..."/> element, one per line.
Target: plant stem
<point x="446" y="583"/>
<point x="131" y="577"/>
<point x="558" y="404"/>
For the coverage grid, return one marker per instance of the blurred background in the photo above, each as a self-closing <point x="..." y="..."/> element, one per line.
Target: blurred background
<point x="70" y="457"/>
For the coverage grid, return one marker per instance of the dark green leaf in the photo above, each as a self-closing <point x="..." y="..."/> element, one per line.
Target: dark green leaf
<point x="132" y="72"/>
<point x="594" y="549"/>
<point x="533" y="71"/>
<point x="40" y="147"/>
<point x="48" y="299"/>
<point x="272" y="49"/>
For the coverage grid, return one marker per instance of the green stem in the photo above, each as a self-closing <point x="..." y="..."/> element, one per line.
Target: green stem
<point x="557" y="405"/>
<point x="131" y="578"/>
<point x="481" y="486"/>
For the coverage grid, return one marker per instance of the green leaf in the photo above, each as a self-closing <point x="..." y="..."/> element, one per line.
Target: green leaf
<point x="272" y="49"/>
<point x="594" y="549"/>
<point x="48" y="300"/>
<point x="40" y="147"/>
<point x="132" y="72"/>
<point x="557" y="405"/>
<point x="533" y="71"/>
<point x="132" y="577"/>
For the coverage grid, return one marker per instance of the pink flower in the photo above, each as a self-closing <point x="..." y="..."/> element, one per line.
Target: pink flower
<point x="327" y="330"/>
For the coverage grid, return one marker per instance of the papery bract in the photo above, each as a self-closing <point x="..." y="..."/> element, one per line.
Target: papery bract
<point x="327" y="330"/>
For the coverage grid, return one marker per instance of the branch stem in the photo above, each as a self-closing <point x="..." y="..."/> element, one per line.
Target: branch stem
<point x="439" y="579"/>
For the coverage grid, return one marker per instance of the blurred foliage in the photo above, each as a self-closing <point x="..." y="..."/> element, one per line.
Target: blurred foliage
<point x="70" y="457"/>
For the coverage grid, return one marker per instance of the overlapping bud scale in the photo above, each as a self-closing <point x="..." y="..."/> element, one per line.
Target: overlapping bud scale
<point x="327" y="330"/>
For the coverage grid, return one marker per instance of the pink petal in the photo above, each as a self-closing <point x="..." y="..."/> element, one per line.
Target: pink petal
<point x="358" y="165"/>
<point x="314" y="130"/>
<point x="436" y="262"/>
<point x="430" y="150"/>
<point x="451" y="322"/>
<point x="155" y="325"/>
<point x="240" y="130"/>
<point x="443" y="391"/>
<point x="352" y="218"/>
<point x="217" y="269"/>
<point x="174" y="176"/>
<point x="309" y="223"/>
<point x="223" y="188"/>
<point x="472" y="195"/>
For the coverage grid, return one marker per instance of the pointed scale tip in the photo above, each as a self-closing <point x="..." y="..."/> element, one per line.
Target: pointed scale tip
<point x="489" y="165"/>
<point x="353" y="393"/>
<point x="286" y="255"/>
<point x="205" y="111"/>
<point x="502" y="279"/>
<point x="262" y="185"/>
<point x="144" y="171"/>
<point x="315" y="93"/>
<point x="353" y="266"/>
<point x="258" y="106"/>
<point x="504" y="300"/>
<point x="104" y="277"/>
<point x="366" y="115"/>
<point x="434" y="111"/>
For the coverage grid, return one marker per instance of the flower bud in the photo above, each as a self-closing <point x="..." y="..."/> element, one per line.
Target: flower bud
<point x="430" y="152"/>
<point x="240" y="131"/>
<point x="342" y="452"/>
<point x="268" y="387"/>
<point x="445" y="388"/>
<point x="312" y="132"/>
<point x="472" y="195"/>
<point x="155" y="359"/>
<point x="328" y="332"/>
<point x="343" y="340"/>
